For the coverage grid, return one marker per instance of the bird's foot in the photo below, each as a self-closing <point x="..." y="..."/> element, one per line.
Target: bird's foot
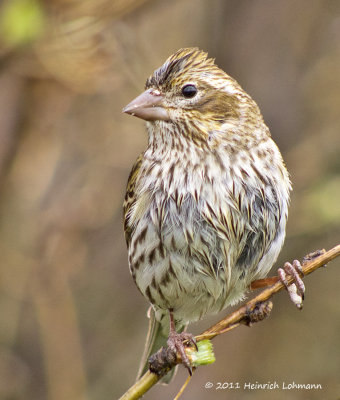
<point x="177" y="343"/>
<point x="296" y="290"/>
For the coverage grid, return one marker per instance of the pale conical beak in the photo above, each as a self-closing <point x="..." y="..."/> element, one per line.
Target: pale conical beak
<point x="148" y="106"/>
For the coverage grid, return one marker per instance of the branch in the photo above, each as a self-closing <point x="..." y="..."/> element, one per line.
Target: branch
<point x="235" y="319"/>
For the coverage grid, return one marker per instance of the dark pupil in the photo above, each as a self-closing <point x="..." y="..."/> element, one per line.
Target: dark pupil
<point x="189" y="91"/>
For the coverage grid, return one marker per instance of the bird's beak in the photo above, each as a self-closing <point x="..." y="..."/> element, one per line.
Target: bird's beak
<point x="149" y="106"/>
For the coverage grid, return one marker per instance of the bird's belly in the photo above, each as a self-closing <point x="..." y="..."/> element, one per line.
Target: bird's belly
<point x="198" y="254"/>
<point x="192" y="294"/>
<point x="179" y="262"/>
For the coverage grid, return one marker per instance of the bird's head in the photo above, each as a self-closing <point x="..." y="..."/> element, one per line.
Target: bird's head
<point x="190" y="89"/>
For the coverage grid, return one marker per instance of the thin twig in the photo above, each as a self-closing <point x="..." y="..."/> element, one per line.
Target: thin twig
<point x="234" y="319"/>
<point x="141" y="386"/>
<point x="185" y="384"/>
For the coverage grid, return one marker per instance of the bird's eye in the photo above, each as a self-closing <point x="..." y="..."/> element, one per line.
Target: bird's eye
<point x="189" y="91"/>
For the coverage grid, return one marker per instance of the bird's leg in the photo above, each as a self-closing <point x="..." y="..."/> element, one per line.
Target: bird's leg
<point x="296" y="290"/>
<point x="176" y="343"/>
<point x="261" y="283"/>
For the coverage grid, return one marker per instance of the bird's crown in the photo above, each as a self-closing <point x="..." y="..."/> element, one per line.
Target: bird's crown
<point x="182" y="62"/>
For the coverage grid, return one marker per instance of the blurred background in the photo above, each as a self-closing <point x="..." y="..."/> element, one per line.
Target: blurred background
<point x="72" y="322"/>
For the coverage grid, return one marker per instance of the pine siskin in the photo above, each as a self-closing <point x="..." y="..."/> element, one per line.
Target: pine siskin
<point x="206" y="202"/>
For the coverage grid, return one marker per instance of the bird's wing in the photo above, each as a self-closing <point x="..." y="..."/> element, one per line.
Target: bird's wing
<point x="130" y="196"/>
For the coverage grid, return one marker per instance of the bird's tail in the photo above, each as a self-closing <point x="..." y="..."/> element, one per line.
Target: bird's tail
<point x="157" y="337"/>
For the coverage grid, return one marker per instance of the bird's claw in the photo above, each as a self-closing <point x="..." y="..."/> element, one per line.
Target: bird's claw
<point x="177" y="343"/>
<point x="296" y="290"/>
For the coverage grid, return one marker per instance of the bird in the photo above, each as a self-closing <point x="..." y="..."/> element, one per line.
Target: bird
<point x="206" y="203"/>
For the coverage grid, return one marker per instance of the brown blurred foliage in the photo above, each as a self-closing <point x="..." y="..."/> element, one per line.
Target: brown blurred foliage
<point x="72" y="322"/>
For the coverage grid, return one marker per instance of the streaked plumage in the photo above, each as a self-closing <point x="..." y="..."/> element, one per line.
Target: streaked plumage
<point x="207" y="202"/>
